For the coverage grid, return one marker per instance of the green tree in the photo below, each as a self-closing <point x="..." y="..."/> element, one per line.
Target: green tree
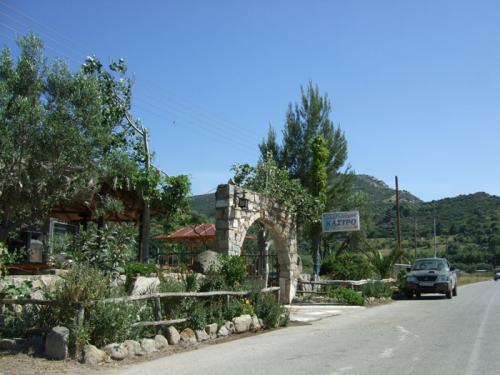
<point x="304" y="122"/>
<point x="318" y="188"/>
<point x="58" y="131"/>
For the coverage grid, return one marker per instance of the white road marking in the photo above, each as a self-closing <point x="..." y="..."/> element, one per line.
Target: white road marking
<point x="387" y="353"/>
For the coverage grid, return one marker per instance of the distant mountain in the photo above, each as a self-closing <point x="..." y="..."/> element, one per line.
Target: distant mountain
<point x="380" y="193"/>
<point x="462" y="214"/>
<point x="204" y="204"/>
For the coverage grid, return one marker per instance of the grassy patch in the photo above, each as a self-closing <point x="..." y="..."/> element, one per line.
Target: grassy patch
<point x="473" y="278"/>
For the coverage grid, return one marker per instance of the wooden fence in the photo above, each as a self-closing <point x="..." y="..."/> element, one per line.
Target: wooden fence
<point x="80" y="307"/>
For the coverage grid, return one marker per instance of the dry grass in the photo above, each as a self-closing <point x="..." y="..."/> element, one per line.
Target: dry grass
<point x="473" y="278"/>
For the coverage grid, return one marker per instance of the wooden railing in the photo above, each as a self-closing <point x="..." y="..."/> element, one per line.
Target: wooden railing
<point x="80" y="307"/>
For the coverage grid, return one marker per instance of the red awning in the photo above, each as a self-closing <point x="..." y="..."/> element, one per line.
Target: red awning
<point x="193" y="232"/>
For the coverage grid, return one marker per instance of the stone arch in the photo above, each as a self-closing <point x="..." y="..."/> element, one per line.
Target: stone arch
<point x="237" y="209"/>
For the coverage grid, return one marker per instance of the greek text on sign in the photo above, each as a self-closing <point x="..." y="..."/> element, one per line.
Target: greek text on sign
<point x="346" y="221"/>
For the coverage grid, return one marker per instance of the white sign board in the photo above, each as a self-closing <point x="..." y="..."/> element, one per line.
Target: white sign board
<point x="346" y="221"/>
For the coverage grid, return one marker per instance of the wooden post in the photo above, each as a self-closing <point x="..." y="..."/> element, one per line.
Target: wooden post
<point x="398" y="214"/>
<point x="80" y="314"/>
<point x="157" y="311"/>
<point x="2" y="319"/>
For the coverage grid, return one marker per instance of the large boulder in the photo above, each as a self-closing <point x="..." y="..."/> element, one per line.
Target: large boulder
<point x="201" y="335"/>
<point x="172" y="334"/>
<point x="116" y="351"/>
<point x="188" y="336"/>
<point x="229" y="326"/>
<point x="93" y="356"/>
<point x="56" y="343"/>
<point x="211" y="330"/>
<point x="205" y="261"/>
<point x="145" y="285"/>
<point x="133" y="348"/>
<point x="255" y="325"/>
<point x="161" y="342"/>
<point x="223" y="332"/>
<point x="242" y="323"/>
<point x="148" y="345"/>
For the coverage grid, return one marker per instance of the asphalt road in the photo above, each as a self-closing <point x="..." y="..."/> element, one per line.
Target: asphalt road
<point x="432" y="335"/>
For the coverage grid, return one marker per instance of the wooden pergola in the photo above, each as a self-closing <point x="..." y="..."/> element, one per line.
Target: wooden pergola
<point x="82" y="211"/>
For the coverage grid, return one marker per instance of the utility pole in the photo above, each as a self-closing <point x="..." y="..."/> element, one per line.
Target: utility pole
<point x="435" y="241"/>
<point x="145" y="217"/>
<point x="415" y="238"/>
<point x="398" y="214"/>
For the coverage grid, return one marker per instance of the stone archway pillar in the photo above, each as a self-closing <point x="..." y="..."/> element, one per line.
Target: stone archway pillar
<point x="237" y="209"/>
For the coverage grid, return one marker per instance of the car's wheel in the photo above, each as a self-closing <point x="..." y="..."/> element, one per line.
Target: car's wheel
<point x="418" y="294"/>
<point x="409" y="294"/>
<point x="448" y="294"/>
<point x="454" y="292"/>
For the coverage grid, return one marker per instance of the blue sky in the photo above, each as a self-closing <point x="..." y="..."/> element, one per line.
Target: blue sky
<point x="415" y="85"/>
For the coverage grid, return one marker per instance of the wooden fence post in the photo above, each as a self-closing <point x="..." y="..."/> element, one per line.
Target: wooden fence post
<point x="2" y="319"/>
<point x="157" y="311"/>
<point x="80" y="314"/>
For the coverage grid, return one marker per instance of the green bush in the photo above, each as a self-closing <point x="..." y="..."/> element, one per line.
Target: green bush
<point x="233" y="268"/>
<point x="173" y="308"/>
<point x="215" y="313"/>
<point x="347" y="296"/>
<point x="108" y="249"/>
<point x="197" y="315"/>
<point x="111" y="322"/>
<point x="137" y="268"/>
<point x="272" y="313"/>
<point x="376" y="289"/>
<point x="347" y="266"/>
<point x="17" y="324"/>
<point x="212" y="282"/>
<point x="232" y="309"/>
<point x="83" y="283"/>
<point x="4" y="259"/>
<point x="23" y="290"/>
<point x="191" y="282"/>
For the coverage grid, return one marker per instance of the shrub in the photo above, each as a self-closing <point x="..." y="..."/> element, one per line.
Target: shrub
<point x="197" y="315"/>
<point x="137" y="268"/>
<point x="376" y="289"/>
<point x="272" y="313"/>
<point x="17" y="324"/>
<point x="172" y="308"/>
<point x="346" y="266"/>
<point x="233" y="268"/>
<point x="191" y="282"/>
<point x="111" y="322"/>
<point x="401" y="280"/>
<point x="232" y="309"/>
<point x="212" y="282"/>
<point x="107" y="249"/>
<point x="4" y="259"/>
<point x="83" y="283"/>
<point x="215" y="313"/>
<point x="23" y="290"/>
<point x="347" y="296"/>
